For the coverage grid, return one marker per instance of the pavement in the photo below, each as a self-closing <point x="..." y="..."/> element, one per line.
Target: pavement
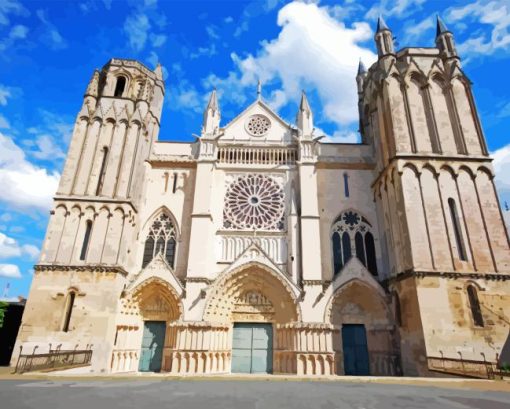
<point x="232" y="393"/>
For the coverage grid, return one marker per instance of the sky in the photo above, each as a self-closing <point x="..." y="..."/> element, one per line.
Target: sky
<point x="49" y="50"/>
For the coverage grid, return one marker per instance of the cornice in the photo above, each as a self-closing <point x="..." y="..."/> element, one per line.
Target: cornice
<point x="94" y="268"/>
<point x="451" y="275"/>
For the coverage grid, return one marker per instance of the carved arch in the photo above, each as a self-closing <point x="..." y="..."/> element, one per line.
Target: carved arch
<point x="230" y="285"/>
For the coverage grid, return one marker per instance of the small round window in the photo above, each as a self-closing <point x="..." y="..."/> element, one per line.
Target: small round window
<point x="258" y="125"/>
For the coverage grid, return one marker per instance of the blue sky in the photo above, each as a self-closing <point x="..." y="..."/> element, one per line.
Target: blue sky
<point x="48" y="51"/>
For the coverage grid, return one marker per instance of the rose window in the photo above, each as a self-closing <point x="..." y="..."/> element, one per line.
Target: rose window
<point x="254" y="202"/>
<point x="258" y="125"/>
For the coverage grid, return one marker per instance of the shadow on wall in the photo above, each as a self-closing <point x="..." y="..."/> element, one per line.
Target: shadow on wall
<point x="504" y="358"/>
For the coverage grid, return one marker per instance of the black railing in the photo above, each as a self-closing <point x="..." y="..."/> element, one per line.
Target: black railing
<point x="53" y="360"/>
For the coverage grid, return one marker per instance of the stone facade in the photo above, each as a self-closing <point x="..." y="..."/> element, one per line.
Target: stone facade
<point x="258" y="221"/>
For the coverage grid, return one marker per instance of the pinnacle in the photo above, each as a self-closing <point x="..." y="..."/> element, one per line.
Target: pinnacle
<point x="440" y="27"/>
<point x="381" y="25"/>
<point x="304" y="105"/>
<point x="361" y="68"/>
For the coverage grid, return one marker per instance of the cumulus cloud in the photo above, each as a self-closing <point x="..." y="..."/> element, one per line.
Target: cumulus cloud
<point x="30" y="187"/>
<point x="309" y="33"/>
<point x="10" y="248"/>
<point x="501" y="165"/>
<point x="9" y="271"/>
<point x="495" y="13"/>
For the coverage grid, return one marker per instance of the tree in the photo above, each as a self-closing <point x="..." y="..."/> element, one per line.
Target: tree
<point x="3" y="309"/>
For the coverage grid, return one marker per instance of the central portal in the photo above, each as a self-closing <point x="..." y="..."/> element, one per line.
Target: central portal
<point x="252" y="348"/>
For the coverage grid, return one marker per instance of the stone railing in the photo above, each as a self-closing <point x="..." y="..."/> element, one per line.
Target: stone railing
<point x="305" y="349"/>
<point x="197" y="348"/>
<point x="257" y="156"/>
<point x="124" y="360"/>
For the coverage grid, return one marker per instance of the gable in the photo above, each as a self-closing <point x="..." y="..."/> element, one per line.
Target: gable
<point x="257" y="124"/>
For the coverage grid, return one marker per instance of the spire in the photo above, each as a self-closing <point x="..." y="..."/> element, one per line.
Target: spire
<point x="211" y="115"/>
<point x="441" y="27"/>
<point x="213" y="101"/>
<point x="259" y="90"/>
<point x="445" y="42"/>
<point x="381" y="25"/>
<point x="304" y="105"/>
<point x="383" y="39"/>
<point x="304" y="117"/>
<point x="361" y="68"/>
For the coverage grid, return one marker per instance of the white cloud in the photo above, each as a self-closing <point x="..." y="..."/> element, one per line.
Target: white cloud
<point x="137" y="28"/>
<point x="501" y="165"/>
<point x="309" y="33"/>
<point x="495" y="13"/>
<point x="29" y="186"/>
<point x="157" y="40"/>
<point x="11" y="7"/>
<point x="399" y="8"/>
<point x="9" y="247"/>
<point x="51" y="36"/>
<point x="9" y="271"/>
<point x="4" y="123"/>
<point x="46" y="148"/>
<point x="31" y="251"/>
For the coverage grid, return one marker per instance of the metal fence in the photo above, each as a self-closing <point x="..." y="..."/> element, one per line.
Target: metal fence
<point x="53" y="360"/>
<point x="467" y="367"/>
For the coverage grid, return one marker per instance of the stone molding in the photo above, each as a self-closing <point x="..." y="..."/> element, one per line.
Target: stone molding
<point x="93" y="268"/>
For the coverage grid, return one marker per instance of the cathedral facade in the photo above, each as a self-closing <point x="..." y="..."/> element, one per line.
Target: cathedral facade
<point x="260" y="248"/>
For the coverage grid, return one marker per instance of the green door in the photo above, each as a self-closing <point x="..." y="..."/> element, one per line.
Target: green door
<point x="354" y="340"/>
<point x="252" y="348"/>
<point x="152" y="346"/>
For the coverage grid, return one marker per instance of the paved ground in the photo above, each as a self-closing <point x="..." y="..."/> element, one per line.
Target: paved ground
<point x="238" y="394"/>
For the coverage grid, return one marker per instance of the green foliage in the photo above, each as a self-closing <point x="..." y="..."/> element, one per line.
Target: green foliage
<point x="505" y="366"/>
<point x="3" y="308"/>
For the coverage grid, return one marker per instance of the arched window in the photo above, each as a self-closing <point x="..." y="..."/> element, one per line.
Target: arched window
<point x="102" y="172"/>
<point x="86" y="240"/>
<point x="456" y="230"/>
<point x="474" y="304"/>
<point x="370" y="249"/>
<point x="337" y="253"/>
<point x="161" y="239"/>
<point x="69" y="311"/>
<point x="350" y="227"/>
<point x="360" y="253"/>
<point x="346" y="246"/>
<point x="346" y="185"/>
<point x="119" y="86"/>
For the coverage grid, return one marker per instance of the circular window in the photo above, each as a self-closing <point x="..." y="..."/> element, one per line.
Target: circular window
<point x="258" y="125"/>
<point x="254" y="202"/>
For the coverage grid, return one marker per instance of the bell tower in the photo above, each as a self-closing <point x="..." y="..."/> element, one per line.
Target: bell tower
<point x="118" y="120"/>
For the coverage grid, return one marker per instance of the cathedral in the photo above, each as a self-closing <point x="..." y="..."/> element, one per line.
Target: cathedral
<point x="259" y="248"/>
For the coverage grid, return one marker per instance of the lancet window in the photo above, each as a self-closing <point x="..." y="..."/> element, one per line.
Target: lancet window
<point x="351" y="234"/>
<point x="160" y="240"/>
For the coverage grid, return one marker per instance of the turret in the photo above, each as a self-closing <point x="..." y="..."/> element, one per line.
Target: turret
<point x="444" y="40"/>
<point x="212" y="115"/>
<point x="304" y="118"/>
<point x="383" y="39"/>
